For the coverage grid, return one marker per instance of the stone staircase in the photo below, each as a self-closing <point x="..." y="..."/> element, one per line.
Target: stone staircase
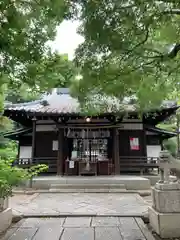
<point x="88" y="188"/>
<point x="95" y="184"/>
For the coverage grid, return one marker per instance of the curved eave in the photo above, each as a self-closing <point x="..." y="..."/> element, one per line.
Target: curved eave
<point x="156" y="117"/>
<point x="14" y="135"/>
<point x="161" y="132"/>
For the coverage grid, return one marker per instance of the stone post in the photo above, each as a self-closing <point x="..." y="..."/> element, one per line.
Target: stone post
<point x="164" y="215"/>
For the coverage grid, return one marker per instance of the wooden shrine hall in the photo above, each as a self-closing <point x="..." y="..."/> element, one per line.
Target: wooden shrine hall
<point x="54" y="131"/>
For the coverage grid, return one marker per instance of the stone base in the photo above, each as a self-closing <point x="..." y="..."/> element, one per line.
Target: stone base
<point x="5" y="219"/>
<point x="166" y="225"/>
<point x="166" y="200"/>
<point x="168" y="186"/>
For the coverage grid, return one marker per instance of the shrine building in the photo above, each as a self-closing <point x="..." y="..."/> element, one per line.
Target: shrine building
<point x="54" y="131"/>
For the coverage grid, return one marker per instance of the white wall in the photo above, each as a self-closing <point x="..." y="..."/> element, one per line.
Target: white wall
<point x="48" y="128"/>
<point x="153" y="150"/>
<point x="25" y="151"/>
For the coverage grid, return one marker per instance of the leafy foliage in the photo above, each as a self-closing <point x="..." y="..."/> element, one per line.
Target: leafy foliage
<point x="130" y="48"/>
<point x="171" y="146"/>
<point x="8" y="150"/>
<point x="5" y="125"/>
<point x="13" y="176"/>
<point x="53" y="70"/>
<point x="26" y="26"/>
<point x="21" y="94"/>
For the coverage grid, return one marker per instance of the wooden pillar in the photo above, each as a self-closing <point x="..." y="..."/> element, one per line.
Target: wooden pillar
<point x="144" y="141"/>
<point x="33" y="138"/>
<point x="33" y="145"/>
<point x="116" y="151"/>
<point x="178" y="140"/>
<point x="60" y="157"/>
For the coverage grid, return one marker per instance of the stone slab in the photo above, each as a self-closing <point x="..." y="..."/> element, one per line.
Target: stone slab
<point x="109" y="228"/>
<point x="105" y="221"/>
<point x="129" y="229"/>
<point x="37" y="222"/>
<point x="5" y="219"/>
<point x="23" y="234"/>
<point x="77" y="222"/>
<point x="49" y="231"/>
<point x="107" y="233"/>
<point x="78" y="234"/>
<point x="144" y="229"/>
<point x="59" y="204"/>
<point x="166" y="225"/>
<point x="166" y="201"/>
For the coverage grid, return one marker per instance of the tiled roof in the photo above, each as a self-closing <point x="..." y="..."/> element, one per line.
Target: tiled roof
<point x="60" y="101"/>
<point x="63" y="102"/>
<point x="49" y="103"/>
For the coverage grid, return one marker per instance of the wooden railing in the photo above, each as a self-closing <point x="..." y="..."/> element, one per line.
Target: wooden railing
<point x="51" y="162"/>
<point x="105" y="167"/>
<point x="142" y="164"/>
<point x="127" y="164"/>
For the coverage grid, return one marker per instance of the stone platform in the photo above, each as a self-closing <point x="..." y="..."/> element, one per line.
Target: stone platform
<point x="79" y="228"/>
<point x="78" y="204"/>
<point x="91" y="184"/>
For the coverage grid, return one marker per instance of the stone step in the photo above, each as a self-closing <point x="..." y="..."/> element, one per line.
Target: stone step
<point x="86" y="190"/>
<point x="134" y="183"/>
<point x="87" y="186"/>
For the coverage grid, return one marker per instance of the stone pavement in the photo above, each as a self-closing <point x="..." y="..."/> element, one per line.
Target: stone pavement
<point x="55" y="204"/>
<point x="79" y="228"/>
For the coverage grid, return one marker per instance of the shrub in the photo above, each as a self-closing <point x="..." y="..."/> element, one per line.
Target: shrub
<point x="13" y="176"/>
<point x="171" y="145"/>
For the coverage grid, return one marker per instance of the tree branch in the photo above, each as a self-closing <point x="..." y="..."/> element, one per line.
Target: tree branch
<point x="171" y="55"/>
<point x="142" y="42"/>
<point x="172" y="11"/>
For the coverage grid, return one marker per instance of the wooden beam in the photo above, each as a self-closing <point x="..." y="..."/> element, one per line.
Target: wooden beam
<point x="116" y="151"/>
<point x="60" y="155"/>
<point x="144" y="140"/>
<point x="33" y="138"/>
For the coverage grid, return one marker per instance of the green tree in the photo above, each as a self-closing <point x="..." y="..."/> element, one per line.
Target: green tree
<point x="25" y="27"/>
<point x="53" y="70"/>
<point x="130" y="48"/>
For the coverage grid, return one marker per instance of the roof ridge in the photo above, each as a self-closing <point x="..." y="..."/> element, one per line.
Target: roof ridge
<point x="24" y="103"/>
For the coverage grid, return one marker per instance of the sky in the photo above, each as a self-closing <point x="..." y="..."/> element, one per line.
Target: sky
<point x="67" y="39"/>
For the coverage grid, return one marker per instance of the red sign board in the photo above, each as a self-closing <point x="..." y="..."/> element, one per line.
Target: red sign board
<point x="134" y="143"/>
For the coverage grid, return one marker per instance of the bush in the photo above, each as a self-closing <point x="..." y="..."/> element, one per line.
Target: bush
<point x="13" y="176"/>
<point x="171" y="145"/>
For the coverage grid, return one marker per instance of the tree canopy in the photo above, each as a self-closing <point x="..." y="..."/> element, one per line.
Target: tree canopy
<point x="25" y="28"/>
<point x="130" y="48"/>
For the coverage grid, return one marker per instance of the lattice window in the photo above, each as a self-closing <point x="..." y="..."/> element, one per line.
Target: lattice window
<point x="93" y="149"/>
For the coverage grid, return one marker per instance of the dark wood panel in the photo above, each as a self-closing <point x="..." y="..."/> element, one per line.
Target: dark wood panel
<point x="25" y="141"/>
<point x="102" y="168"/>
<point x="72" y="171"/>
<point x="124" y="143"/>
<point x="44" y="144"/>
<point x="153" y="140"/>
